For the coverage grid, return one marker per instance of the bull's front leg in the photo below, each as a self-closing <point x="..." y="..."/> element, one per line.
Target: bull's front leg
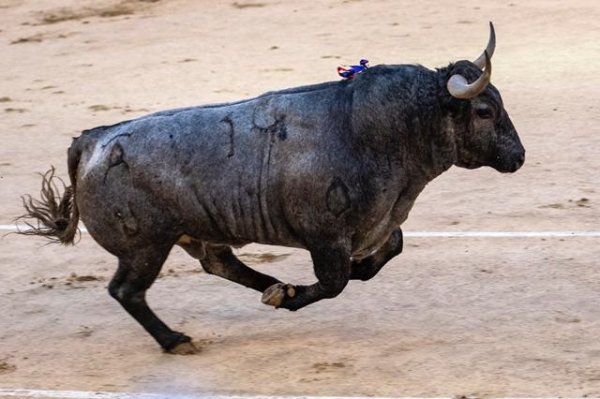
<point x="367" y="268"/>
<point x="332" y="268"/>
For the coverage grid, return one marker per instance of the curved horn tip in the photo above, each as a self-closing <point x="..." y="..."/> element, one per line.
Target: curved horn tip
<point x="491" y="46"/>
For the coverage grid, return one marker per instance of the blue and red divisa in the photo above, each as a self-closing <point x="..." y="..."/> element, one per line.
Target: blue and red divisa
<point x="348" y="72"/>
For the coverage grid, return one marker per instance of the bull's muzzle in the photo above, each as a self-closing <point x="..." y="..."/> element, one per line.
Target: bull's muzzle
<point x="513" y="162"/>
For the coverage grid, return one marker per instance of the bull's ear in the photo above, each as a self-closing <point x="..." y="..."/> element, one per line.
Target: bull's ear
<point x="459" y="87"/>
<point x="491" y="46"/>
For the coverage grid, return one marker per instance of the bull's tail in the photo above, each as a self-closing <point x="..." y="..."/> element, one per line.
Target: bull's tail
<point x="55" y="216"/>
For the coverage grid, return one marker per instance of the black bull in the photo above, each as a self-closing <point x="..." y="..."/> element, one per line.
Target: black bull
<point x="333" y="168"/>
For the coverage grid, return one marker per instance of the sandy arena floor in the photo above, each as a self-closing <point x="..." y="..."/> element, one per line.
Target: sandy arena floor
<point x="486" y="317"/>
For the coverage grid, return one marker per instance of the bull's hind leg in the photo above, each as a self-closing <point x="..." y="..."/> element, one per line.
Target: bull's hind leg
<point x="135" y="275"/>
<point x="220" y="261"/>
<point x="332" y="268"/>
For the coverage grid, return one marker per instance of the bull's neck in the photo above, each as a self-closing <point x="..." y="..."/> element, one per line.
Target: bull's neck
<point x="435" y="152"/>
<point x="415" y="150"/>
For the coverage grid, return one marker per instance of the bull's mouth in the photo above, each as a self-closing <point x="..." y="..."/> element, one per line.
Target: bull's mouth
<point x="502" y="165"/>
<point x="470" y="164"/>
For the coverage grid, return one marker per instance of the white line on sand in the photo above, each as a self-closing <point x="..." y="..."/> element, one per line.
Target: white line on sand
<point x="41" y="393"/>
<point x="36" y="393"/>
<point x="445" y="234"/>
<point x="502" y="234"/>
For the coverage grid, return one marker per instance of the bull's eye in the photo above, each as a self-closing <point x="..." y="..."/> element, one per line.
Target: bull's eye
<point x="484" y="113"/>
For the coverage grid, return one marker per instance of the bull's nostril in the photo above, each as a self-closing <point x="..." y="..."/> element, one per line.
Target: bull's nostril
<point x="519" y="162"/>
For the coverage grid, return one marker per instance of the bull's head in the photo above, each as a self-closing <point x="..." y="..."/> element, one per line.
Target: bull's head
<point x="484" y="134"/>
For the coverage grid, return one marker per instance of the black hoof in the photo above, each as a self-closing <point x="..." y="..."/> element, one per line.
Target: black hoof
<point x="174" y="340"/>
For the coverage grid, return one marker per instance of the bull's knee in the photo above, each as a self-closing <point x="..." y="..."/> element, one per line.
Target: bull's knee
<point x="367" y="268"/>
<point x="332" y="268"/>
<point x="364" y="270"/>
<point x="396" y="242"/>
<point x="212" y="266"/>
<point x="125" y="294"/>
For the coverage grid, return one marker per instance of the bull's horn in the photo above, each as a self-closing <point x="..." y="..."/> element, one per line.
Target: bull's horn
<point x="491" y="46"/>
<point x="459" y="87"/>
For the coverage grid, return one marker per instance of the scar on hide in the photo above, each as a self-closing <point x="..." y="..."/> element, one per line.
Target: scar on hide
<point x="278" y="128"/>
<point x="128" y="220"/>
<point x="337" y="197"/>
<point x="266" y="123"/>
<point x="107" y="143"/>
<point x="228" y="120"/>
<point x="115" y="158"/>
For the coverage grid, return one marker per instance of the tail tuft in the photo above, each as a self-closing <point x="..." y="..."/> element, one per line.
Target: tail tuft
<point x="55" y="216"/>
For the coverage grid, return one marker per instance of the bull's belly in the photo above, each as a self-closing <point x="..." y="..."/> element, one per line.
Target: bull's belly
<point x="236" y="222"/>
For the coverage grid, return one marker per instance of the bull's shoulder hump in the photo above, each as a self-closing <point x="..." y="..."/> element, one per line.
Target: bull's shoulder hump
<point x="304" y="89"/>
